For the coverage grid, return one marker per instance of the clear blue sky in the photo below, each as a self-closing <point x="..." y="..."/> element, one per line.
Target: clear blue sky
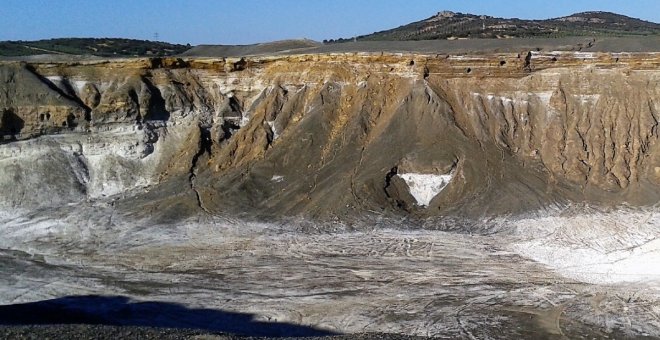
<point x="250" y="21"/>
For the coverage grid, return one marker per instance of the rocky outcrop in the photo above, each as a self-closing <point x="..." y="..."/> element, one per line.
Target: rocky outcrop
<point x="334" y="135"/>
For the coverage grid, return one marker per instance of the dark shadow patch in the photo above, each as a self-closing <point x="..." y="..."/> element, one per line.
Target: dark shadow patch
<point x="388" y="178"/>
<point x="121" y="311"/>
<point x="235" y="106"/>
<point x="528" y="62"/>
<point x="136" y="100"/>
<point x="10" y="123"/>
<point x="227" y="130"/>
<point x="157" y="109"/>
<point x="71" y="121"/>
<point x="240" y="65"/>
<point x="391" y="192"/>
<point x="156" y="63"/>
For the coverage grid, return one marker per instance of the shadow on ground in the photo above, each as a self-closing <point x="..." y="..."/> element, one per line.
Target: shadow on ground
<point x="121" y="311"/>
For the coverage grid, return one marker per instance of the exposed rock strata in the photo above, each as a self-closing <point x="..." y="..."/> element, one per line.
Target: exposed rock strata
<point x="321" y="134"/>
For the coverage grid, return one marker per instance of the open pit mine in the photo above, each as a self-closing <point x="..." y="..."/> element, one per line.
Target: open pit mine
<point x="496" y="195"/>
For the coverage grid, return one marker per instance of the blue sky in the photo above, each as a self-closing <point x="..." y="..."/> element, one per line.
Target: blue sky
<point x="250" y="21"/>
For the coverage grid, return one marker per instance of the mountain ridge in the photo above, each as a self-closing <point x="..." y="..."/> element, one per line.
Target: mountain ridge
<point x="455" y="25"/>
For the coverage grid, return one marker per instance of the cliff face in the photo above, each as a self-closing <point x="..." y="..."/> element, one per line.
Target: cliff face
<point x="330" y="135"/>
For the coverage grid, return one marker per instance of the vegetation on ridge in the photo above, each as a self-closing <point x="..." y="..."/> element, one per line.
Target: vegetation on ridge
<point x="105" y="47"/>
<point x="450" y="25"/>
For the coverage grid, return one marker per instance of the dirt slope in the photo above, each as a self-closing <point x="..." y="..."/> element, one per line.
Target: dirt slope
<point x="336" y="135"/>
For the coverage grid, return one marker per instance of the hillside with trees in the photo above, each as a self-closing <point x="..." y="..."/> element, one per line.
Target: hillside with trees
<point x="450" y="25"/>
<point x="104" y="47"/>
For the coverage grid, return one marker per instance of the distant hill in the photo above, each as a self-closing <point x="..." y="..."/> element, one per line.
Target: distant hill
<point x="105" y="47"/>
<point x="281" y="46"/>
<point x="450" y="25"/>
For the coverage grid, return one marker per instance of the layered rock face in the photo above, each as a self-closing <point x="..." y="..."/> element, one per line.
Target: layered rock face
<point x="333" y="135"/>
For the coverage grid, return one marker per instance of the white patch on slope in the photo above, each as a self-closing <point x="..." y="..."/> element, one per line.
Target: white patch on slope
<point x="272" y="128"/>
<point x="277" y="178"/>
<point x="245" y="119"/>
<point x="588" y="98"/>
<point x="638" y="264"/>
<point x="463" y="57"/>
<point x="57" y="81"/>
<point x="599" y="248"/>
<point x="79" y="85"/>
<point x="424" y="187"/>
<point x="584" y="55"/>
<point x="54" y="79"/>
<point x="544" y="96"/>
<point x="514" y="99"/>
